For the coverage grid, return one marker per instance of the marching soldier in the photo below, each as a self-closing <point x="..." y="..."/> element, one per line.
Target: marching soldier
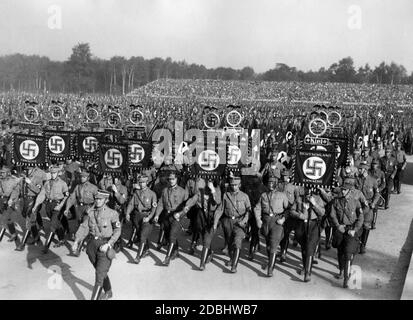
<point x="205" y="203"/>
<point x="7" y="184"/>
<point x="389" y="167"/>
<point x="192" y="187"/>
<point x="347" y="220"/>
<point x="54" y="192"/>
<point x="401" y="165"/>
<point x="367" y="184"/>
<point x="143" y="205"/>
<point x="269" y="214"/>
<point x="71" y="169"/>
<point x="103" y="224"/>
<point x="28" y="189"/>
<point x="291" y="222"/>
<point x="172" y="203"/>
<point x="309" y="210"/>
<point x="235" y="210"/>
<point x="272" y="168"/>
<point x="253" y="187"/>
<point x="117" y="200"/>
<point x="378" y="174"/>
<point x="118" y="192"/>
<point x="82" y="198"/>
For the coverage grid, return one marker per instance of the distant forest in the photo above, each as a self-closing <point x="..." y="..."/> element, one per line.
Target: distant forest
<point x="83" y="72"/>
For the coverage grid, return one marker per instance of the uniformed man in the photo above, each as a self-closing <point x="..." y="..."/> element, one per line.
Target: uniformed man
<point x="253" y="187"/>
<point x="142" y="204"/>
<point x="117" y="200"/>
<point x="234" y="210"/>
<point x="291" y="223"/>
<point x="401" y="165"/>
<point x="103" y="224"/>
<point x="378" y="174"/>
<point x="205" y="202"/>
<point x="54" y="192"/>
<point x="192" y="186"/>
<point x="171" y="204"/>
<point x="347" y="220"/>
<point x="270" y="216"/>
<point x="28" y="189"/>
<point x="82" y="198"/>
<point x="72" y="168"/>
<point x="367" y="184"/>
<point x="7" y="184"/>
<point x="389" y="167"/>
<point x="309" y="209"/>
<point x="272" y="168"/>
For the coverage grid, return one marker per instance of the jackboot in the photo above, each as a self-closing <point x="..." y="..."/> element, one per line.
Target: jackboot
<point x="139" y="254"/>
<point x="204" y="256"/>
<point x="347" y="270"/>
<point x="48" y="242"/>
<point x="2" y="231"/>
<point x="271" y="264"/>
<point x="131" y="239"/>
<point x="327" y="230"/>
<point x="364" y="238"/>
<point x="235" y="261"/>
<point x="253" y="249"/>
<point x="97" y="290"/>
<point x="373" y="224"/>
<point x="23" y="243"/>
<point x="12" y="230"/>
<point x="307" y="269"/>
<point x="168" y="255"/>
<point x="160" y="240"/>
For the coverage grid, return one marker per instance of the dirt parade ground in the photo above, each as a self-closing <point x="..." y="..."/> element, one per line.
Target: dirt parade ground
<point x="378" y="274"/>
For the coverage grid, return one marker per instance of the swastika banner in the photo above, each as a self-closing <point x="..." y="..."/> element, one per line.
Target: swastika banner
<point x="208" y="165"/>
<point x="139" y="153"/>
<point x="28" y="149"/>
<point x="112" y="158"/>
<point x="312" y="168"/>
<point x="58" y="145"/>
<point x="87" y="144"/>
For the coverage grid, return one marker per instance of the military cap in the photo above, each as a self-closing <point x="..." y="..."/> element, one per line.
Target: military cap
<point x="286" y="172"/>
<point x="364" y="165"/>
<point x="234" y="180"/>
<point x="102" y="194"/>
<point x="348" y="183"/>
<point x="143" y="178"/>
<point x="84" y="173"/>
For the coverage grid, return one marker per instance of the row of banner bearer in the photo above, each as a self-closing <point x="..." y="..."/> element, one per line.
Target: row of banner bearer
<point x="325" y="185"/>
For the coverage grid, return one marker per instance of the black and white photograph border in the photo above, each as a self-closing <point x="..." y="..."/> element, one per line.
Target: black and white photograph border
<point x="285" y="69"/>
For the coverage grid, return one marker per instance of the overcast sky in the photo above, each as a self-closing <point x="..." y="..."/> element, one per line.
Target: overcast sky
<point x="233" y="33"/>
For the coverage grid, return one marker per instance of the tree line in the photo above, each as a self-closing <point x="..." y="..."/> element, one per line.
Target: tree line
<point x="83" y="72"/>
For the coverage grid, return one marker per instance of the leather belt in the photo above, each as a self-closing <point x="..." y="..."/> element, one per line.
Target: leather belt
<point x="101" y="238"/>
<point x="49" y="200"/>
